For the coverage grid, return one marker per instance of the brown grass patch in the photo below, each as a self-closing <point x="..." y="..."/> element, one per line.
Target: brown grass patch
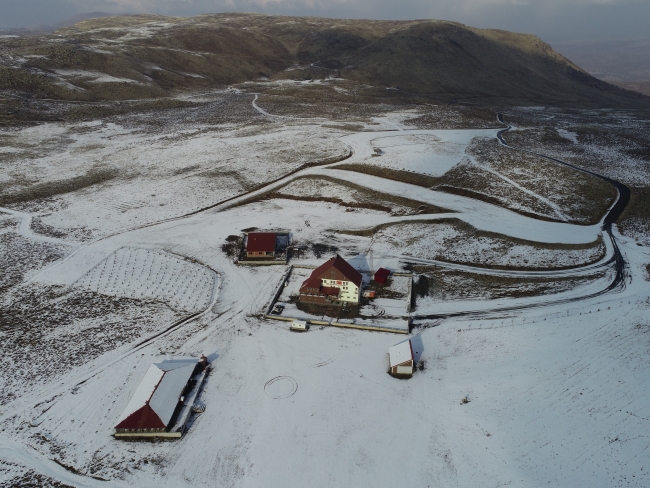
<point x="459" y="285"/>
<point x="635" y="220"/>
<point x="49" y="189"/>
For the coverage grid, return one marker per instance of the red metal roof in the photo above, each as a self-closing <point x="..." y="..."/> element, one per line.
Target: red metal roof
<point x="336" y="262"/>
<point x="261" y="242"/>
<point x="381" y="275"/>
<point x="348" y="271"/>
<point x="143" y="418"/>
<point x="155" y="399"/>
<point x="329" y="291"/>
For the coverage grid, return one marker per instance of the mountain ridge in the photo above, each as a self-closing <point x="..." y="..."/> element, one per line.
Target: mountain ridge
<point x="161" y="56"/>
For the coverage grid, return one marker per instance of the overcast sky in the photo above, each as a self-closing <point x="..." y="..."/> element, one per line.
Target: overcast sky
<point x="553" y="20"/>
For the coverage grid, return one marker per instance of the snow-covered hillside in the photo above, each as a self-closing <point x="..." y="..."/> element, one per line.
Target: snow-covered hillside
<point x="537" y="376"/>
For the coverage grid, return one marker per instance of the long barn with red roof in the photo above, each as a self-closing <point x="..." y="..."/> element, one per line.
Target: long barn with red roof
<point x="159" y="398"/>
<point x="334" y="282"/>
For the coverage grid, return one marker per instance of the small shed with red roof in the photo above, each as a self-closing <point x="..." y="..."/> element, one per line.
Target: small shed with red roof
<point x="261" y="244"/>
<point x="333" y="283"/>
<point x="381" y="276"/>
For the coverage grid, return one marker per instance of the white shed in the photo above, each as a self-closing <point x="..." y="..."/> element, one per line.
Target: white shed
<point x="401" y="360"/>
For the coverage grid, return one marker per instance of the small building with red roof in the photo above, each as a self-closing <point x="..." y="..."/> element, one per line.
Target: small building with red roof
<point x="381" y="276"/>
<point x="261" y="244"/>
<point x="334" y="282"/>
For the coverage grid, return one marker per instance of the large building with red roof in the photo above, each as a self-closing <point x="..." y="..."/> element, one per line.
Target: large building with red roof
<point x="159" y="398"/>
<point x="334" y="282"/>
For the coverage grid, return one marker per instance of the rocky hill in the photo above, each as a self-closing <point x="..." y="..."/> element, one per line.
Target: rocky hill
<point x="147" y="56"/>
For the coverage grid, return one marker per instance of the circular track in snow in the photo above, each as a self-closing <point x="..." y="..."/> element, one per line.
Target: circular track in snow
<point x="280" y="387"/>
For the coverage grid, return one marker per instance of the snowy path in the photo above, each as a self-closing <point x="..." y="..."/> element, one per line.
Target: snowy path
<point x="262" y="111"/>
<point x="25" y="230"/>
<point x="556" y="273"/>
<point x="480" y="215"/>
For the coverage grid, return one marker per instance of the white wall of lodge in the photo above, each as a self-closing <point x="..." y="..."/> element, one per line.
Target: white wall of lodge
<point x="349" y="291"/>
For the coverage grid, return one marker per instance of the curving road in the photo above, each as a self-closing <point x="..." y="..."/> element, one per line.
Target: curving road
<point x="614" y="212"/>
<point x="612" y="215"/>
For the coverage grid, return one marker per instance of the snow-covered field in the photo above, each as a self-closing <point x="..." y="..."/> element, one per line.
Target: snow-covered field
<point x="456" y="243"/>
<point x="432" y="153"/>
<point x="557" y="384"/>
<point x="152" y="275"/>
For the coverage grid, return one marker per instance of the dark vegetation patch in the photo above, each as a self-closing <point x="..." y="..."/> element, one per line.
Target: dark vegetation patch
<point x="610" y="143"/>
<point x="454" y="117"/>
<point x="186" y="169"/>
<point x="460" y="285"/>
<point x="32" y="479"/>
<point x="582" y="197"/>
<point x="7" y="223"/>
<point x="467" y="180"/>
<point x="19" y="256"/>
<point x="421" y="286"/>
<point x="49" y="189"/>
<point x="346" y="127"/>
<point x="47" y="330"/>
<point x="391" y="174"/>
<point x="232" y="246"/>
<point x="76" y="233"/>
<point x="319" y="249"/>
<point x="635" y="220"/>
<point x="359" y="102"/>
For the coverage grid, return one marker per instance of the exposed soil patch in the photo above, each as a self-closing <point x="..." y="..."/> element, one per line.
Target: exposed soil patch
<point x="19" y="256"/>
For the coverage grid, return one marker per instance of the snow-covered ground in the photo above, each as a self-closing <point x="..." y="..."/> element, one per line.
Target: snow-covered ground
<point x="432" y="152"/>
<point x="557" y="385"/>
